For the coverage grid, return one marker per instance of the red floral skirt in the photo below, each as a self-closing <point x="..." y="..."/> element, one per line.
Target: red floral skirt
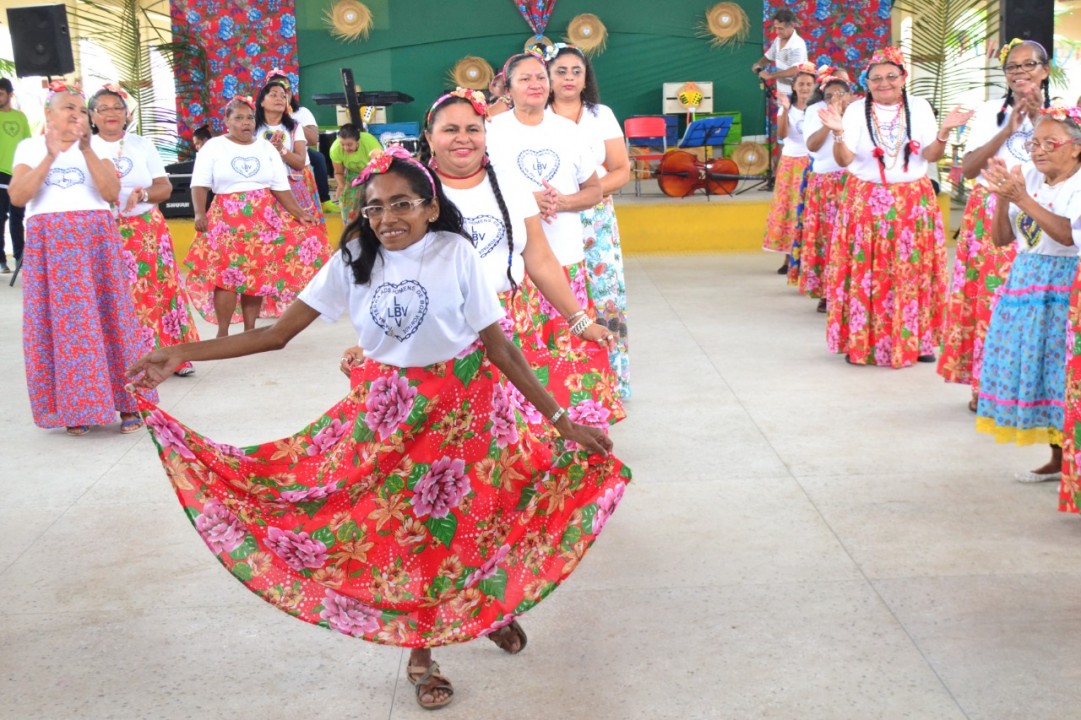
<point x="819" y="213"/>
<point x="80" y="333"/>
<point x="885" y="299"/>
<point x="979" y="273"/>
<point x="253" y="247"/>
<point x="577" y="373"/>
<point x="1069" y="496"/>
<point x="419" y="511"/>
<point x="782" y="225"/>
<point x="161" y="302"/>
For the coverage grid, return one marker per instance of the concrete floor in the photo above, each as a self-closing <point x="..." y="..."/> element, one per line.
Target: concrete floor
<point x="803" y="539"/>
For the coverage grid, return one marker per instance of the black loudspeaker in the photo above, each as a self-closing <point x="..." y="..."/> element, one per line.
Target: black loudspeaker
<point x="1029" y="20"/>
<point x="40" y="39"/>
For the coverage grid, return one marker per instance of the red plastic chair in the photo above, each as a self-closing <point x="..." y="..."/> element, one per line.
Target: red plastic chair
<point x="651" y="127"/>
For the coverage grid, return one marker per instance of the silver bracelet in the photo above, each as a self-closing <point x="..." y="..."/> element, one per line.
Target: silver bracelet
<point x="576" y="315"/>
<point x="580" y="327"/>
<point x="557" y="414"/>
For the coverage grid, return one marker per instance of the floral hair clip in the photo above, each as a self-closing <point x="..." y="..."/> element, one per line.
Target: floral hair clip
<point x="828" y="73"/>
<point x="115" y="89"/>
<point x="806" y="68"/>
<point x="246" y="99"/>
<point x="888" y="54"/>
<point x="1063" y="113"/>
<point x="475" y="98"/>
<point x="60" y="86"/>
<point x="381" y="164"/>
<point x="1007" y="48"/>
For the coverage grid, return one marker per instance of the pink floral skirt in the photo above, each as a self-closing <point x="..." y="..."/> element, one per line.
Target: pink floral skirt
<point x="253" y="247"/>
<point x="886" y="296"/>
<point x="419" y="511"/>
<point x="819" y="213"/>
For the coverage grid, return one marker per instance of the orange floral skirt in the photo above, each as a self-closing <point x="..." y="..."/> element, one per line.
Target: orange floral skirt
<point x="819" y="214"/>
<point x="253" y="247"/>
<point x="782" y="225"/>
<point x="1069" y="495"/>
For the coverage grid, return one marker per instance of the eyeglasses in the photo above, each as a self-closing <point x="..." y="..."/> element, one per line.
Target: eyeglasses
<point x="1047" y="146"/>
<point x="1028" y="66"/>
<point x="109" y="109"/>
<point x="830" y="96"/>
<point x="879" y="79"/>
<point x="397" y="208"/>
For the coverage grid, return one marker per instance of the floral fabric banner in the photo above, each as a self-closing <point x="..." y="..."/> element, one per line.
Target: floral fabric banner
<point x="536" y="13"/>
<point x="242" y="39"/>
<point x="839" y="33"/>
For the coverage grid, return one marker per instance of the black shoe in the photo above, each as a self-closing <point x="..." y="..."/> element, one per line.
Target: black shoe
<point x="5" y="269"/>
<point x="783" y="270"/>
<point x="822" y="305"/>
<point x="926" y="358"/>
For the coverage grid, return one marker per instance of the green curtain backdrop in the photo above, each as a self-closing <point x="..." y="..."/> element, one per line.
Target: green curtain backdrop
<point x="414" y="43"/>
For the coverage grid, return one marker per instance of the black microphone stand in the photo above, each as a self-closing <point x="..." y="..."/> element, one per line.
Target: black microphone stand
<point x="768" y="93"/>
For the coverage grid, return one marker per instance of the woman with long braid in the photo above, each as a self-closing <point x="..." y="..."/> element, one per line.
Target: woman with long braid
<point x="892" y="268"/>
<point x="504" y="223"/>
<point x="999" y="130"/>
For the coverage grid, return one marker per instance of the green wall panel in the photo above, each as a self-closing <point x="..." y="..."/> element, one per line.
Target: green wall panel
<point x="415" y="43"/>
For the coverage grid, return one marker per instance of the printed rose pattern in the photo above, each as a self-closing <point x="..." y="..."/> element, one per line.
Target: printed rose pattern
<point x="819" y="216"/>
<point x="842" y="34"/>
<point x="416" y="529"/>
<point x="885" y="295"/>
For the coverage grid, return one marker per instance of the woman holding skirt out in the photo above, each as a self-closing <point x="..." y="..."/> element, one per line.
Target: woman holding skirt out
<point x="885" y="296"/>
<point x="782" y="224"/>
<point x="998" y="130"/>
<point x="161" y="302"/>
<point x="419" y="511"/>
<point x="1023" y="378"/>
<point x="255" y="241"/>
<point x="79" y="324"/>
<point x="824" y="185"/>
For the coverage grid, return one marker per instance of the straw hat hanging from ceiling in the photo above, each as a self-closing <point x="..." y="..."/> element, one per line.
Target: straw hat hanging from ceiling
<point x="348" y="20"/>
<point x="725" y="22"/>
<point x="472" y="72"/>
<point x="587" y="33"/>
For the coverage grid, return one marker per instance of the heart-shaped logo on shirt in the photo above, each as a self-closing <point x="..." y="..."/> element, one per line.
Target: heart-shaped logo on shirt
<point x="487" y="232"/>
<point x="11" y="128"/>
<point x="1015" y="144"/>
<point x="65" y="177"/>
<point x="538" y="165"/>
<point x="123" y="165"/>
<point x="399" y="308"/>
<point x="246" y="166"/>
<point x="1029" y="230"/>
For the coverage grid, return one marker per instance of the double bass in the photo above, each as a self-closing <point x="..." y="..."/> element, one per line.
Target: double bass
<point x="680" y="173"/>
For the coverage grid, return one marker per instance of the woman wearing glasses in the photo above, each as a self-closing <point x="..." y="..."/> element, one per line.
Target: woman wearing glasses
<point x="998" y="130"/>
<point x="824" y="184"/>
<point x="161" y="302"/>
<point x="255" y="241"/>
<point x="891" y="263"/>
<point x="1038" y="211"/>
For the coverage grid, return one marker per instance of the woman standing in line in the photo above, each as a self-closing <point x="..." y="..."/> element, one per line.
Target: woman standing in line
<point x="550" y="155"/>
<point x="1000" y="130"/>
<point x="161" y="302"/>
<point x="1023" y="378"/>
<point x="782" y="225"/>
<point x="417" y="512"/>
<point x="891" y="264"/>
<point x="255" y="241"/>
<point x="825" y="183"/>
<point x="576" y="97"/>
<point x="79" y="323"/>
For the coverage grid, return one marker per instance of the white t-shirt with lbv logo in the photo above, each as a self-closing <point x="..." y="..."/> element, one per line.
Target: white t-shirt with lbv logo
<point x="485" y="224"/>
<point x="423" y="304"/>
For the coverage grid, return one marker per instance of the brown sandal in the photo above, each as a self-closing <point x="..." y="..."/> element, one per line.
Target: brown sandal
<point x="504" y="637"/>
<point x="422" y="678"/>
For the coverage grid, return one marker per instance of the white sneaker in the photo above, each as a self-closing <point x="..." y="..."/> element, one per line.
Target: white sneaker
<point x="1031" y="477"/>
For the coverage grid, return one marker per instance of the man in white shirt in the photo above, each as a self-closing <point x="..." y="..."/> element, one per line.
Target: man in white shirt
<point x="786" y="53"/>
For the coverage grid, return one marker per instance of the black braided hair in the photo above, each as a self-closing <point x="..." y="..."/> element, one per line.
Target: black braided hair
<point x="908" y="127"/>
<point x="506" y="223"/>
<point x="449" y="220"/>
<point x="868" y="102"/>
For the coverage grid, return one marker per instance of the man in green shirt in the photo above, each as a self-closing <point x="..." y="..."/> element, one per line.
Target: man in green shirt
<point x="13" y="129"/>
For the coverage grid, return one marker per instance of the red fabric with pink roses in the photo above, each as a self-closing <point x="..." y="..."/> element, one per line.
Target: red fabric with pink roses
<point x="419" y="511"/>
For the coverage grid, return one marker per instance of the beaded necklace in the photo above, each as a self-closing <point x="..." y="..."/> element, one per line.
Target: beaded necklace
<point x="889" y="136"/>
<point x="115" y="206"/>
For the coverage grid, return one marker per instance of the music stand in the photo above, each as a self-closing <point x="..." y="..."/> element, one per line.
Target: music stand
<point x="707" y="132"/>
